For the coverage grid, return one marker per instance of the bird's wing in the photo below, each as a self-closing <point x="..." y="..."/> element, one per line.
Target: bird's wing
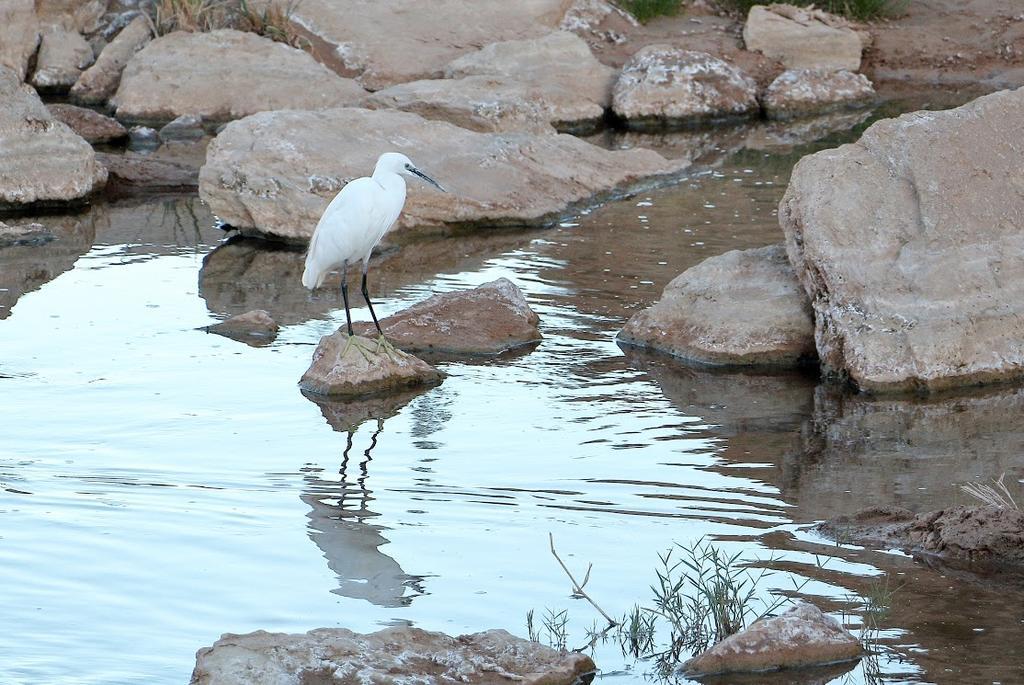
<point x="342" y="231"/>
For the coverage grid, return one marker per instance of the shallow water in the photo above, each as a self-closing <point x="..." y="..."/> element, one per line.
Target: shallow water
<point x="160" y="486"/>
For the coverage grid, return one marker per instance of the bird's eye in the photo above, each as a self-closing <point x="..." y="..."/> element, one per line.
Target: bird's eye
<point x="408" y="167"/>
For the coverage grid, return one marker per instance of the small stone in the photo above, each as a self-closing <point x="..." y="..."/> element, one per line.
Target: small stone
<point x="741" y="308"/>
<point x="803" y="92"/>
<point x="802" y="38"/>
<point x="388" y="657"/>
<point x="185" y="127"/>
<point x="62" y="57"/>
<point x="802" y="636"/>
<point x="487" y="320"/>
<point x="143" y="138"/>
<point x="88" y="123"/>
<point x="99" y="82"/>
<point x="253" y="326"/>
<point x="663" y="87"/>
<point x="351" y="366"/>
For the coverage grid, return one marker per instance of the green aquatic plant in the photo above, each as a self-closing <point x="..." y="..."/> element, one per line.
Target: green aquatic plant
<point x="645" y="10"/>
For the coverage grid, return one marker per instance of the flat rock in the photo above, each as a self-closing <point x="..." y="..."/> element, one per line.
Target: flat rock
<point x="41" y="159"/>
<point x="802" y="38"/>
<point x="663" y="87"/>
<point x="277" y="171"/>
<point x="489" y="319"/>
<point x="979" y="535"/>
<point x="388" y="657"/>
<point x="745" y="307"/>
<point x="255" y="326"/>
<point x="350" y="367"/>
<point x="803" y="92"/>
<point x="224" y="75"/>
<point x="908" y="243"/>
<point x="88" y="123"/>
<point x="802" y="636"/>
<point x="62" y="56"/>
<point x="387" y="42"/>
<point x="100" y="81"/>
<point x="490" y="104"/>
<point x="146" y="171"/>
<point x="19" y="35"/>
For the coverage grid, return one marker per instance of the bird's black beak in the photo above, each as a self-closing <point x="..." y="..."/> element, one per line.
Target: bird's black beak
<point x="426" y="178"/>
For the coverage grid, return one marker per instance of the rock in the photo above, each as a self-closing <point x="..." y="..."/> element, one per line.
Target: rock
<point x="184" y="127"/>
<point x="143" y="138"/>
<point x="586" y="18"/>
<point x="745" y="307"/>
<point x="802" y="92"/>
<point x="579" y="76"/>
<point x="662" y="86"/>
<point x="351" y="367"/>
<point x="19" y="35"/>
<point x="99" y="82"/>
<point x="489" y="319"/>
<point x="802" y="636"/>
<point x="903" y="240"/>
<point x="62" y="57"/>
<point x="224" y="75"/>
<point x="149" y="172"/>
<point x="88" y="123"/>
<point x="387" y="42"/>
<point x="802" y="38"/>
<point x="986" y="535"/>
<point x="43" y="161"/>
<point x="253" y="327"/>
<point x="24" y="234"/>
<point x="277" y="171"/>
<point x="388" y="657"/>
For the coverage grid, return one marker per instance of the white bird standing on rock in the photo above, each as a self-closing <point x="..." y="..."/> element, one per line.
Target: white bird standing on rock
<point x="355" y="221"/>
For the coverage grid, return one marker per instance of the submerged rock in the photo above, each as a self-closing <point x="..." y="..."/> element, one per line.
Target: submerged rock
<point x="745" y="307"/>
<point x="802" y="636"/>
<point x="802" y="92"/>
<point x="388" y="657"/>
<point x="99" y="82"/>
<point x="185" y="127"/>
<point x="908" y="244"/>
<point x="148" y="171"/>
<point x="19" y="35"/>
<point x="353" y="366"/>
<point x="62" y="57"/>
<point x="486" y="320"/>
<point x="42" y="161"/>
<point x="277" y="171"/>
<point x="143" y="138"/>
<point x="254" y="327"/>
<point x="224" y="75"/>
<point x="985" y="535"/>
<point x="24" y="234"/>
<point x="662" y="86"/>
<point x="88" y="123"/>
<point x="802" y="38"/>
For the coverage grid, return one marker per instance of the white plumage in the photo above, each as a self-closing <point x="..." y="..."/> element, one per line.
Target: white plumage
<point x="356" y="220"/>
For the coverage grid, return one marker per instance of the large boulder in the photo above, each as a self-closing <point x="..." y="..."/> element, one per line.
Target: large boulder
<point x="803" y="92"/>
<point x="745" y="307"/>
<point x="803" y="38"/>
<point x="800" y="637"/>
<point x="352" y="366"/>
<point x="277" y="171"/>
<point x="662" y="87"/>
<point x="387" y="42"/>
<point x="99" y="82"/>
<point x="42" y="161"/>
<point x="388" y="657"/>
<point x="19" y="35"/>
<point x="908" y="243"/>
<point x="62" y="56"/>
<point x="486" y="320"/>
<point x="224" y="75"/>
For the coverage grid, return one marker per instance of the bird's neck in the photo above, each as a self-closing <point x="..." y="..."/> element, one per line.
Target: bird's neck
<point x="389" y="180"/>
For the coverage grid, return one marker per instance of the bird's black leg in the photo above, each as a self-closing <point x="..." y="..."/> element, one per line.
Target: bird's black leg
<point x="344" y="296"/>
<point x="366" y="296"/>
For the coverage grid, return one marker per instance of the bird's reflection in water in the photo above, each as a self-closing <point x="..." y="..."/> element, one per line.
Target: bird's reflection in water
<point x="339" y="525"/>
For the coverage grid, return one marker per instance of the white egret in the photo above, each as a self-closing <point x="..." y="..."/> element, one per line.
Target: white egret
<point x="355" y="221"/>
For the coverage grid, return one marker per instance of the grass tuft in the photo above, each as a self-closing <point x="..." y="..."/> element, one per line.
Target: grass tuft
<point x="995" y="495"/>
<point x="265" y="17"/>
<point x="645" y="10"/>
<point x="861" y="10"/>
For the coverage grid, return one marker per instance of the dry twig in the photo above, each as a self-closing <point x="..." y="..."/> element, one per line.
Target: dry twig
<point x="577" y="588"/>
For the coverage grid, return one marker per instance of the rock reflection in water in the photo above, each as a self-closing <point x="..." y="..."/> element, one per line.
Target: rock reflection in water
<point x="341" y="508"/>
